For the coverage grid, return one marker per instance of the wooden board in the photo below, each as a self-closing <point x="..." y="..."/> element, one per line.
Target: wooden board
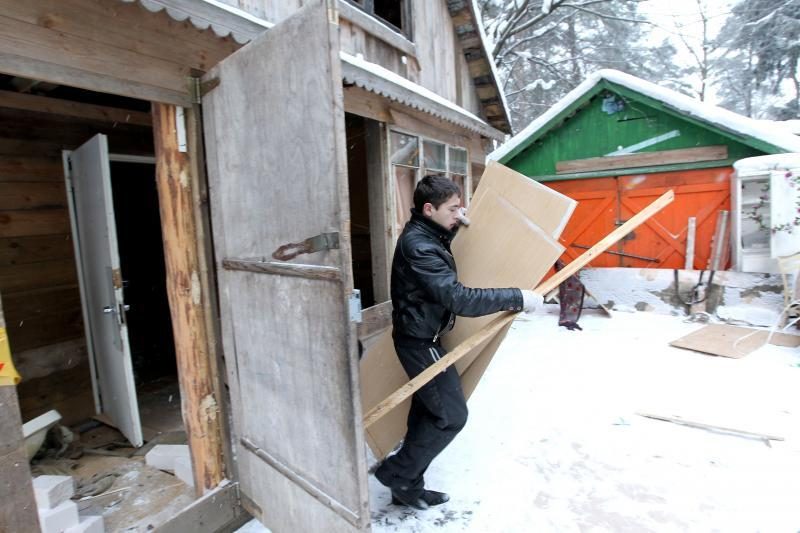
<point x="503" y="247"/>
<point x="732" y="341"/>
<point x="548" y="209"/>
<point x="647" y="159"/>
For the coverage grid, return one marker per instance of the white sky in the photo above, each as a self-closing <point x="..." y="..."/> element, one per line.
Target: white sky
<point x="672" y="17"/>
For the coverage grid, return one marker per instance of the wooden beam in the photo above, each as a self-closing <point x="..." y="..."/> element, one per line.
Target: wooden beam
<point x="57" y="106"/>
<point x="196" y="368"/>
<point x="710" y="427"/>
<point x="400" y="395"/>
<point x="647" y="159"/>
<point x="690" y="237"/>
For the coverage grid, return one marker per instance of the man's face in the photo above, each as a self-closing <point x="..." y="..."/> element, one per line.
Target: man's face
<point x="446" y="214"/>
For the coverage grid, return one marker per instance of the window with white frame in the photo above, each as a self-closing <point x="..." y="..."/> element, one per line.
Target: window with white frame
<point x="413" y="157"/>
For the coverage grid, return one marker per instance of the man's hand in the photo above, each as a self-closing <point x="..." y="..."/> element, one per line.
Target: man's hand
<point x="531" y="301"/>
<point x="462" y="216"/>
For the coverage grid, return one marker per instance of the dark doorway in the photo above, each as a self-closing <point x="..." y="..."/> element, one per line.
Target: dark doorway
<point x="357" y="174"/>
<point x="141" y="254"/>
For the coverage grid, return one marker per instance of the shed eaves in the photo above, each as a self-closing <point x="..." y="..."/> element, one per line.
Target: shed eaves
<point x="711" y="114"/>
<point x="384" y="82"/>
<point x="224" y="20"/>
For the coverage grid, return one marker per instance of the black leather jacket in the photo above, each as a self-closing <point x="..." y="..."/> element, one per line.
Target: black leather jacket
<point x="426" y="293"/>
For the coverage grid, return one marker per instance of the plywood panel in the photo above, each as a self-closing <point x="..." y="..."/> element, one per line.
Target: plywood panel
<point x="732" y="341"/>
<point x="503" y="247"/>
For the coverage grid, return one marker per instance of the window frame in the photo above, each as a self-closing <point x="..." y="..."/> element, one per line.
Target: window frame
<point x="420" y="170"/>
<point x="368" y="7"/>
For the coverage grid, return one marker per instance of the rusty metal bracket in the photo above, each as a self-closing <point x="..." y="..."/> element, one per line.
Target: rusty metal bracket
<point x="324" y="241"/>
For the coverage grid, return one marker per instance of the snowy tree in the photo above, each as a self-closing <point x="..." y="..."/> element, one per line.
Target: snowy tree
<point x="762" y="38"/>
<point x="545" y="48"/>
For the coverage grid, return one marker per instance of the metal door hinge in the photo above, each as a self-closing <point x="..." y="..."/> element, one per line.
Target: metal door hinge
<point x="324" y="241"/>
<point x="355" y="306"/>
<point x="198" y="89"/>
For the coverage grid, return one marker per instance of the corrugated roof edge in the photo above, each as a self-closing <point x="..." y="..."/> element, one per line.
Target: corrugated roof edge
<point x="223" y="19"/>
<point x="379" y="80"/>
<point x="711" y="114"/>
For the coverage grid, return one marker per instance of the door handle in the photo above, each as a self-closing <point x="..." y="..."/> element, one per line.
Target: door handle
<point x="108" y="310"/>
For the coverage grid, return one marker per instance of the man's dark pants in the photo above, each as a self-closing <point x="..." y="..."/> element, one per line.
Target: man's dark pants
<point x="438" y="412"/>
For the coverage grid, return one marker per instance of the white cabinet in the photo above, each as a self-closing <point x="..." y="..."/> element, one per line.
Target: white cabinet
<point x="765" y="203"/>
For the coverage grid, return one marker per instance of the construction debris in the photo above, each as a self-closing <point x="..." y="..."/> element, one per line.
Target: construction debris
<point x="732" y="341"/>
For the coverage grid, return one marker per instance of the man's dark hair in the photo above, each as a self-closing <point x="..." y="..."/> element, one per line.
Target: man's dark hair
<point x="434" y="189"/>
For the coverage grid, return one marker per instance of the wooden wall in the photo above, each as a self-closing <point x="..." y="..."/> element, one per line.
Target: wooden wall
<point x="439" y="65"/>
<point x="38" y="279"/>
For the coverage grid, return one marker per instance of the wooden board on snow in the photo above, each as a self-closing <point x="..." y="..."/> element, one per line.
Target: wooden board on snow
<point x="510" y="243"/>
<point x="732" y="341"/>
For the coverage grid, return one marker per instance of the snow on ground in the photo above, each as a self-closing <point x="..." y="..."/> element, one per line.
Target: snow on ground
<point x="554" y="443"/>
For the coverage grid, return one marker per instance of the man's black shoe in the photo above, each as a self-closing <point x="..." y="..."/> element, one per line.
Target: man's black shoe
<point x="409" y="498"/>
<point x="429" y="497"/>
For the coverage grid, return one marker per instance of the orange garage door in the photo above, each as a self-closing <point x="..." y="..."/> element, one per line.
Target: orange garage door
<point x="605" y="203"/>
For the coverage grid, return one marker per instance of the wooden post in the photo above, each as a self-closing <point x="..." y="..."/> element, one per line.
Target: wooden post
<point x="691" y="229"/>
<point x="17" y="505"/>
<point x="398" y="396"/>
<point x="196" y="366"/>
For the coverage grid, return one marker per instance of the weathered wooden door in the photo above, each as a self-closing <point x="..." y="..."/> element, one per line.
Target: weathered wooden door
<point x="274" y="131"/>
<point x="592" y="220"/>
<point x="698" y="193"/>
<point x="92" y="209"/>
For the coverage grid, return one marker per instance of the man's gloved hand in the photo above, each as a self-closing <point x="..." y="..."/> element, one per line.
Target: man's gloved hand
<point x="531" y="301"/>
<point x="462" y="216"/>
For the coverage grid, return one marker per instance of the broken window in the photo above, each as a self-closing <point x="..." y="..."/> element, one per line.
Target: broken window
<point x="396" y="13"/>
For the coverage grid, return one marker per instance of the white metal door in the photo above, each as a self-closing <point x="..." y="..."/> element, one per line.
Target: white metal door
<point x="274" y="132"/>
<point x="92" y="210"/>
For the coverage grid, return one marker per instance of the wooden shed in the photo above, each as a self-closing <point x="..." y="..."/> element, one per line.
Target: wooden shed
<point x="616" y="142"/>
<point x="207" y="191"/>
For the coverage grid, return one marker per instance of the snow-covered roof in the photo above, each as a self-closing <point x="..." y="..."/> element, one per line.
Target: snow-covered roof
<point x="708" y="113"/>
<point x="379" y="80"/>
<point x="768" y="162"/>
<point x="484" y="44"/>
<point x="223" y="19"/>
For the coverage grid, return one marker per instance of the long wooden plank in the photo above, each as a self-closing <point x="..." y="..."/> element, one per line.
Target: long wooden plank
<point x="20" y="168"/>
<point x="35" y="249"/>
<point x="665" y="157"/>
<point x="57" y="106"/>
<point x="38" y="275"/>
<point x="712" y="427"/>
<point x="503" y="320"/>
<point x="36" y="195"/>
<point x="20" y="223"/>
